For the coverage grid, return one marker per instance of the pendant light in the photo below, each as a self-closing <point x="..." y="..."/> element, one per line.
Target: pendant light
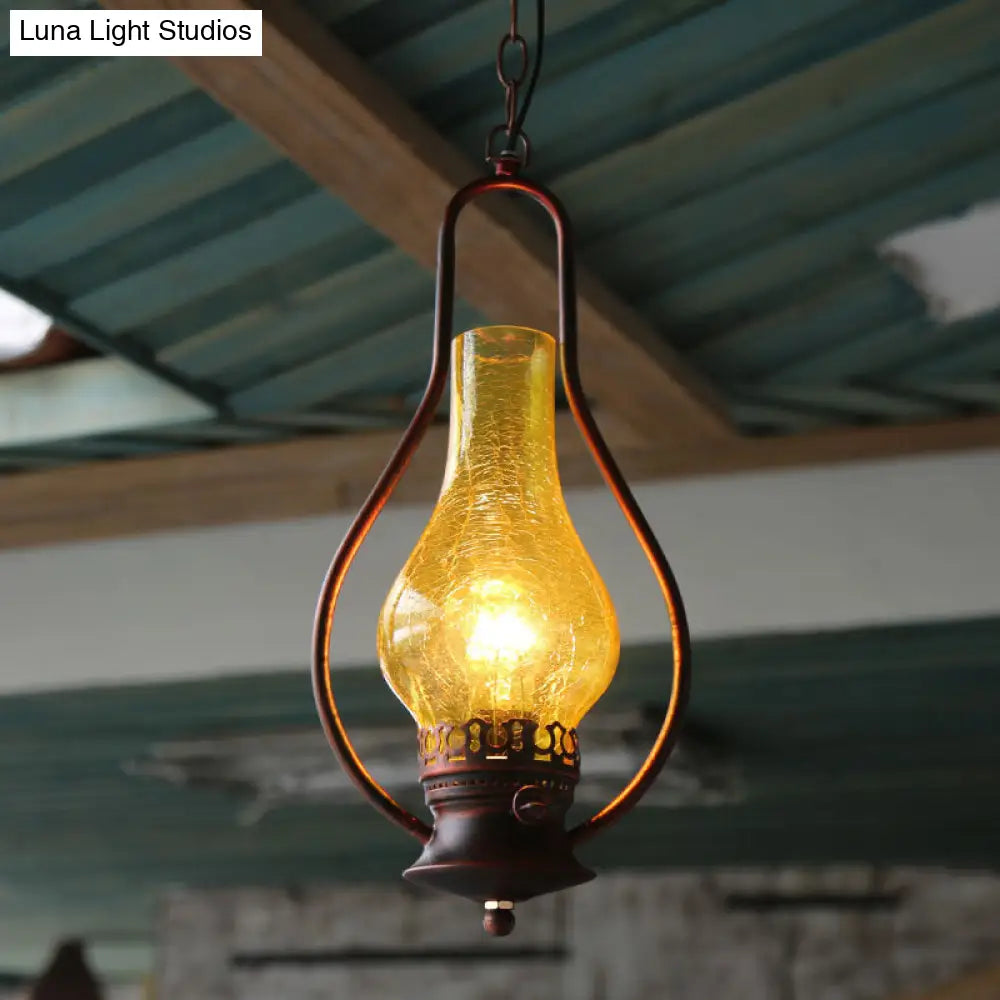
<point x="498" y="634"/>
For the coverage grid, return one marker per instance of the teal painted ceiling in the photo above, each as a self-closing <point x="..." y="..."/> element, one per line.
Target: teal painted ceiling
<point x="877" y="746"/>
<point x="731" y="167"/>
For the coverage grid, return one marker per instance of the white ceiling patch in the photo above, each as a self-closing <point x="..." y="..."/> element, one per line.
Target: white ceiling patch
<point x="22" y="327"/>
<point x="954" y="263"/>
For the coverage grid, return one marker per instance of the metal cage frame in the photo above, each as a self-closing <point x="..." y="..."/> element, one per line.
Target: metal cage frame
<point x="393" y="472"/>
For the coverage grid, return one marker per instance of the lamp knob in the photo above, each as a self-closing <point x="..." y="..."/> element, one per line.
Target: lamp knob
<point x="530" y="805"/>
<point x="498" y="919"/>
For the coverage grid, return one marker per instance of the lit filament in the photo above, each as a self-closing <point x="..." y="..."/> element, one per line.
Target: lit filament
<point x="500" y="639"/>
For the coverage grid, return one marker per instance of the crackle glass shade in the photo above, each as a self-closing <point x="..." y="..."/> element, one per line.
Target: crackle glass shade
<point x="499" y="612"/>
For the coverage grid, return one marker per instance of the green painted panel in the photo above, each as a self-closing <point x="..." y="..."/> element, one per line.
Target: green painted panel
<point x="150" y="190"/>
<point x="875" y="746"/>
<point x="804" y="191"/>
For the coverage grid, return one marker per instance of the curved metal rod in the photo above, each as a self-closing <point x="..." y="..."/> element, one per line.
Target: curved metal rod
<point x="445" y="299"/>
<point x="660" y="565"/>
<point x="326" y="703"/>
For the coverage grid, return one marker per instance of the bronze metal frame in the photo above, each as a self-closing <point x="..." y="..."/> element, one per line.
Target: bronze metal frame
<point x="499" y="792"/>
<point x="507" y="180"/>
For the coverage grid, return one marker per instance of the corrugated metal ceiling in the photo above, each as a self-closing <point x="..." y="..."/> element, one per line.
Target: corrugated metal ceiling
<point x="731" y="167"/>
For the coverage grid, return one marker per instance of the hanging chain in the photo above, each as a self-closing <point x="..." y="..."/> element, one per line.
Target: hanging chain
<point x="512" y="71"/>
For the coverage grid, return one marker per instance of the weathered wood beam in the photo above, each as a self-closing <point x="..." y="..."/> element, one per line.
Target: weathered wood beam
<point x="320" y="475"/>
<point x="330" y="114"/>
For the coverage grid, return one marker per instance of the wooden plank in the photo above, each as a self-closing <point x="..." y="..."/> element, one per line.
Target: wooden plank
<point x="325" y="109"/>
<point x="825" y="246"/>
<point x="884" y="403"/>
<point x="860" y="354"/>
<point x="138" y="298"/>
<point x="394" y="352"/>
<point x="123" y="203"/>
<point x="640" y="85"/>
<point x="978" y="392"/>
<point x="88" y="333"/>
<point x="99" y="98"/>
<point x="866" y="165"/>
<point x="777" y="417"/>
<point x="143" y="137"/>
<point x="981" y="354"/>
<point x="340" y="308"/>
<point x="807" y="323"/>
<point x="796" y="112"/>
<point x="319" y="475"/>
<point x="790" y="406"/>
<point x="429" y="58"/>
<point x="92" y="396"/>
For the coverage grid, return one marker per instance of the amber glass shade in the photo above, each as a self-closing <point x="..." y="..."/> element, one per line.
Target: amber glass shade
<point x="499" y="612"/>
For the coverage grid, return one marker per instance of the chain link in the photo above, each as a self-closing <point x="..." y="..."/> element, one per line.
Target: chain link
<point x="515" y="150"/>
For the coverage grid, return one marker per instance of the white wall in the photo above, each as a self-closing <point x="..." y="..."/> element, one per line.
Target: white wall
<point x="792" y="550"/>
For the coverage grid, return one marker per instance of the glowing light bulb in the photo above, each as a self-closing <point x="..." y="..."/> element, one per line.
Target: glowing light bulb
<point x="499" y="612"/>
<point x="499" y="637"/>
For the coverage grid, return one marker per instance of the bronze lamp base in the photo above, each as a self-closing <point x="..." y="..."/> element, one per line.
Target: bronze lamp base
<point x="499" y="794"/>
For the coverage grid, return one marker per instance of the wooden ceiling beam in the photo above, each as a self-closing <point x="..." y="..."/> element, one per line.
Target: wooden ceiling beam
<point x="325" y="474"/>
<point x="330" y="114"/>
